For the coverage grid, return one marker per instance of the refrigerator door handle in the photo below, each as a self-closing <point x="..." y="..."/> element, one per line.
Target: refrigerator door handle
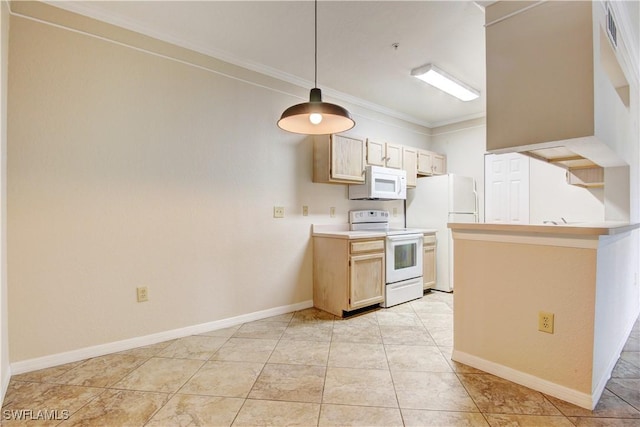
<point x="475" y="194"/>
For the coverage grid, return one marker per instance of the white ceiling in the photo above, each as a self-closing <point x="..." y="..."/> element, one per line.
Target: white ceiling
<point x="356" y="60"/>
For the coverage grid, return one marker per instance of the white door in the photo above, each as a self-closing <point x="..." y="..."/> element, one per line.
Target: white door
<point x="506" y="188"/>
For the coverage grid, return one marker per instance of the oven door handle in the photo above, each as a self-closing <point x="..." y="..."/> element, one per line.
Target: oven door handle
<point x="400" y="237"/>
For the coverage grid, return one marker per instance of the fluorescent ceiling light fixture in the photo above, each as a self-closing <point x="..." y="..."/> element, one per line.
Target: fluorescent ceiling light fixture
<point x="445" y="82"/>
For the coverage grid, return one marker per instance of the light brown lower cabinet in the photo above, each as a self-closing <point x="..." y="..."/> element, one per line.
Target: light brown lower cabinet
<point x="429" y="261"/>
<point x="348" y="274"/>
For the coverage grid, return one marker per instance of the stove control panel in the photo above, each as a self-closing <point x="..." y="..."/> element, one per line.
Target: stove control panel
<point x="356" y="217"/>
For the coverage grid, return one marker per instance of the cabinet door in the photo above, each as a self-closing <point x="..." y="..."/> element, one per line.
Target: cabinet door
<point x="439" y="166"/>
<point x="347" y="158"/>
<point x="429" y="267"/>
<point x="394" y="155"/>
<point x="375" y="153"/>
<point x="410" y="165"/>
<point x="429" y="261"/>
<point x="366" y="285"/>
<point x="425" y="162"/>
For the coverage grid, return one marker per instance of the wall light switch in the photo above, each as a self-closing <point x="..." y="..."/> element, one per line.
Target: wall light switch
<point x="332" y="212"/>
<point x="305" y="210"/>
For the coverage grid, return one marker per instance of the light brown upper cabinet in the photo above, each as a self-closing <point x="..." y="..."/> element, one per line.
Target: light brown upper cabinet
<point x="439" y="164"/>
<point x="384" y="154"/>
<point x="554" y="75"/>
<point x="376" y="153"/>
<point x="394" y="156"/>
<point x="430" y="163"/>
<point x="338" y="159"/>
<point x="410" y="165"/>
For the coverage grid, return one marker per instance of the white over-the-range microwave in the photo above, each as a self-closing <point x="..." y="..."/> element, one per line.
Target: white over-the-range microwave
<point x="380" y="183"/>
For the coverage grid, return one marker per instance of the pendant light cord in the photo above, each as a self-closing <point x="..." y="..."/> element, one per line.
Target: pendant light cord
<point x="315" y="24"/>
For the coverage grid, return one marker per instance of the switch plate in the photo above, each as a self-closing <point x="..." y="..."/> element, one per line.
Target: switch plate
<point x="278" y="211"/>
<point x="545" y="322"/>
<point x="332" y="212"/>
<point x="395" y="212"/>
<point x="305" y="210"/>
<point x="142" y="294"/>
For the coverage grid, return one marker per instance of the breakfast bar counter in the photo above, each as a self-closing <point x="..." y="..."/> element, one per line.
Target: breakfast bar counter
<point x="607" y="228"/>
<point x="508" y="277"/>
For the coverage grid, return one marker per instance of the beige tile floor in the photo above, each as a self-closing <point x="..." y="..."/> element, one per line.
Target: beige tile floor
<point x="383" y="368"/>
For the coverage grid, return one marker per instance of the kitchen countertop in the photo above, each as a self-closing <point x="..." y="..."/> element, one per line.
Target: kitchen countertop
<point x="576" y="229"/>
<point x="341" y="231"/>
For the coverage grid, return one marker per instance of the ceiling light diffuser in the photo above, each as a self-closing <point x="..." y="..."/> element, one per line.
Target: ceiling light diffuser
<point x="445" y="82"/>
<point x="316" y="117"/>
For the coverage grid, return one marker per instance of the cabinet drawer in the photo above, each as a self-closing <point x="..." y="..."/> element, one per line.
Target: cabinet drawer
<point x="429" y="239"/>
<point x="367" y="246"/>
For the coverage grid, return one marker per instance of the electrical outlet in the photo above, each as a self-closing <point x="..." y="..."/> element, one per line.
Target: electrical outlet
<point x="545" y="322"/>
<point x="278" y="211"/>
<point x="142" y="294"/>
<point x="395" y="212"/>
<point x="332" y="212"/>
<point x="305" y="210"/>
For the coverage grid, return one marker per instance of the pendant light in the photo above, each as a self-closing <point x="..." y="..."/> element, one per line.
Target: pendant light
<point x="316" y="117"/>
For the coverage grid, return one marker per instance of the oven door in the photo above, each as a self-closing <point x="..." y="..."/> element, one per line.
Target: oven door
<point x="403" y="257"/>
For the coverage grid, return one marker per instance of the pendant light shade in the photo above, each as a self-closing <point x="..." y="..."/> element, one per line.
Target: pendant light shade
<point x="316" y="117"/>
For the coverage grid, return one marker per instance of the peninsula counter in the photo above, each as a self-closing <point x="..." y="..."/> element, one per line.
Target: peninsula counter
<point x="585" y="274"/>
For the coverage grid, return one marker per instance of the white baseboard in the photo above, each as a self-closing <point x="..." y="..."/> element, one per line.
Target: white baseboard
<point x="116" y="346"/>
<point x="584" y="400"/>
<point x="4" y="383"/>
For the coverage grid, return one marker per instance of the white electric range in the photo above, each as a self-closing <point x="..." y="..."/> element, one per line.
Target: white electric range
<point x="403" y="255"/>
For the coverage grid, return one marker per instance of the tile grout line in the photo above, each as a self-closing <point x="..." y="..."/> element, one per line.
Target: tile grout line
<point x="204" y="362"/>
<point x="326" y="370"/>
<point x="441" y="350"/>
<point x="386" y="356"/>
<point x="172" y="395"/>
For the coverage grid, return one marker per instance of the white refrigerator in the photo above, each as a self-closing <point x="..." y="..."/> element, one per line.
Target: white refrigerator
<point x="434" y="202"/>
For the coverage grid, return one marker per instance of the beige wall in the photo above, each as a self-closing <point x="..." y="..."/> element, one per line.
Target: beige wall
<point x="552" y="198"/>
<point x="617" y="301"/>
<point x="464" y="144"/>
<point x="132" y="169"/>
<point x="5" y="371"/>
<point x="503" y="328"/>
<point x="586" y="281"/>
